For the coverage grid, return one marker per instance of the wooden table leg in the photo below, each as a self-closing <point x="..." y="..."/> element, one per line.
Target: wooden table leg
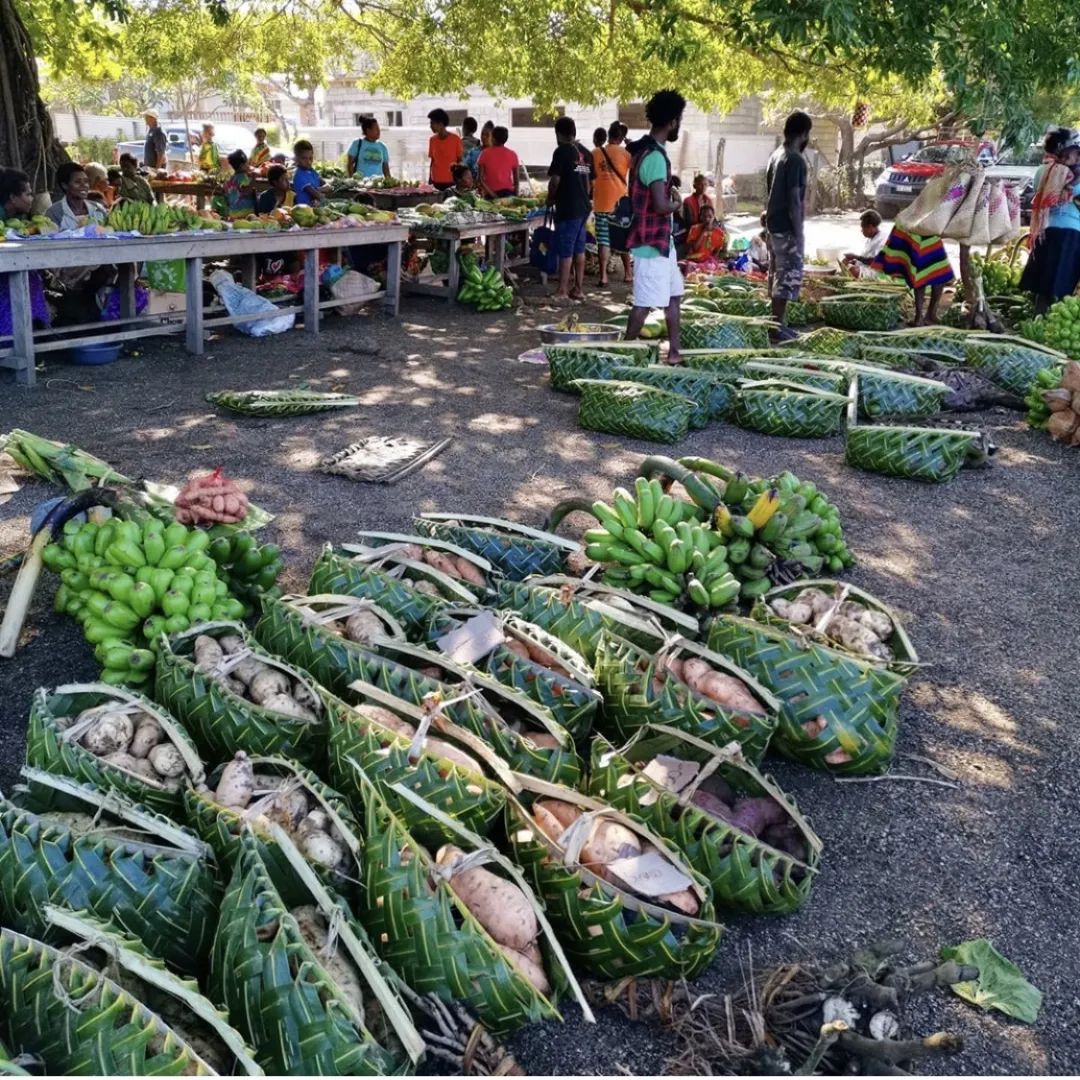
<point x="248" y="268"/>
<point x="200" y="201"/>
<point x="311" y="291"/>
<point x="393" y="278"/>
<point x="125" y="283"/>
<point x="453" y="274"/>
<point x="500" y="252"/>
<point x="193" y="316"/>
<point x="22" y="327"/>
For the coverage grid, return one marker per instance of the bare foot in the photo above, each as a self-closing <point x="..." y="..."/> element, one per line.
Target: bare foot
<point x="577" y="294"/>
<point x="559" y="298"/>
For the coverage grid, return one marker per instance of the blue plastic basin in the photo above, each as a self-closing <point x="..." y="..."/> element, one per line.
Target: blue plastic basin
<point x="94" y="354"/>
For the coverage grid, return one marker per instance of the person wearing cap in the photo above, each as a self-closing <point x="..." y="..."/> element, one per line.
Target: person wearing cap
<point x="156" y="150"/>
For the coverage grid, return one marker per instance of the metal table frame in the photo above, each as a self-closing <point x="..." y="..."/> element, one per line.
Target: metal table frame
<point x="454" y="235"/>
<point x="19" y="258"/>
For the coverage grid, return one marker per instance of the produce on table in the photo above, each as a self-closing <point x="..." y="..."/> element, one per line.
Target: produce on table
<point x="838" y="712"/>
<point x="390" y="740"/>
<point x="255" y="792"/>
<point x="621" y="900"/>
<point x="86" y="848"/>
<point x="279" y="402"/>
<point x="297" y="974"/>
<point x="1054" y="403"/>
<point x="687" y="687"/>
<point x="407" y="886"/>
<point x="113" y="738"/>
<point x="154" y="219"/>
<point x="37" y="225"/>
<point x="211" y="499"/>
<point x="192" y="1018"/>
<point x="732" y="824"/>
<point x="232" y="695"/>
<point x="486" y="290"/>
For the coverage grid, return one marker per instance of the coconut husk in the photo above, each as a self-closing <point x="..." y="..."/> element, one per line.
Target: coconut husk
<point x="1070" y="378"/>
<point x="1063" y="425"/>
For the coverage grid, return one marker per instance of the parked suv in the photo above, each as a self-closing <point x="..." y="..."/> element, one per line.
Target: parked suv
<point x="899" y="185"/>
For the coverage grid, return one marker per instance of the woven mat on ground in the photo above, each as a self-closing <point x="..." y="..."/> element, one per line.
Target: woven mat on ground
<point x="382" y="459"/>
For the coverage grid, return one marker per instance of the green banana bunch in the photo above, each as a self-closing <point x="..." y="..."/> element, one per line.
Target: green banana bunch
<point x="250" y="571"/>
<point x="486" y="289"/>
<point x="1038" y="413"/>
<point x="658" y="545"/>
<point x="128" y="583"/>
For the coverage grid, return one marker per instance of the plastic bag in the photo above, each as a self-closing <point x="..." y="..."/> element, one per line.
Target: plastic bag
<point x="353" y="284"/>
<point x="166" y="275"/>
<point x="241" y="301"/>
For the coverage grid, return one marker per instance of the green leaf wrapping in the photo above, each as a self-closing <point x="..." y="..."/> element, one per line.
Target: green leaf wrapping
<point x="1001" y="984"/>
<point x="854" y="704"/>
<point x="933" y="455"/>
<point x="745" y="872"/>
<point x="517" y="551"/>
<point x="634" y="409"/>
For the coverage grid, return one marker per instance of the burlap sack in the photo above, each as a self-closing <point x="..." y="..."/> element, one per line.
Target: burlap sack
<point x="936" y="203"/>
<point x="959" y="226"/>
<point x="1000" y="221"/>
<point x="980" y="220"/>
<point x="1012" y="200"/>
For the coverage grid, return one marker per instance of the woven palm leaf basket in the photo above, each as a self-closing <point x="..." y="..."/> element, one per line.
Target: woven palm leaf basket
<point x="299" y="977"/>
<point x="532" y="662"/>
<point x="1010" y="363"/>
<point x="439" y="761"/>
<point x="517" y="551"/>
<point x="578" y="612"/>
<point x="822" y="341"/>
<point x="635" y="352"/>
<point x="750" y="306"/>
<point x="634" y="409"/>
<point x="894" y="393"/>
<point x="943" y="340"/>
<point x="837" y="712"/>
<point x="933" y="455"/>
<point x="712" y="395"/>
<point x="465" y="567"/>
<point x="724" y="332"/>
<point x="81" y="847"/>
<point x="861" y="312"/>
<point x="566" y="365"/>
<point x="474" y="700"/>
<point x="73" y="1019"/>
<point x="215" y="707"/>
<point x="59" y="718"/>
<point x="882" y="356"/>
<point x="641" y="687"/>
<point x="427" y="934"/>
<point x="408" y="601"/>
<point x="285" y="793"/>
<point x="686" y="790"/>
<point x="191" y="1017"/>
<point x="611" y="927"/>
<point x="837" y="598"/>
<point x="804" y="374"/>
<point x="779" y="407"/>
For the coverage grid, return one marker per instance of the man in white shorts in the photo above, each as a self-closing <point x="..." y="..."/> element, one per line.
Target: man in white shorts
<point x="658" y="282"/>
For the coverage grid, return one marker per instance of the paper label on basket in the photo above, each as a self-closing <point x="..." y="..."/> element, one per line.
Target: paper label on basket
<point x="472" y="640"/>
<point x="670" y="772"/>
<point x="650" y="874"/>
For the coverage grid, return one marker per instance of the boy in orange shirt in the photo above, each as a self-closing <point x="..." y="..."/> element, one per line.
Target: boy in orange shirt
<point x="445" y="150"/>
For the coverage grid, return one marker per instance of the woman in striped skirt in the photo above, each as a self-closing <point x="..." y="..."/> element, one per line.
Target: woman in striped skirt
<point x="922" y="263"/>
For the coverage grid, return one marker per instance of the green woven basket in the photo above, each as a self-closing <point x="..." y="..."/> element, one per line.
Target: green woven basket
<point x="884" y="394"/>
<point x="154" y="879"/>
<point x="223" y="722"/>
<point x="566" y="365"/>
<point x="516" y="550"/>
<point x="221" y="826"/>
<point x="635" y="352"/>
<point x="578" y="612"/>
<point x="48" y="747"/>
<point x="746" y="872"/>
<point x="724" y="332"/>
<point x="608" y="931"/>
<point x="1010" y="363"/>
<point x="778" y="407"/>
<point x="372" y="543"/>
<point x="711" y="395"/>
<point x="943" y="340"/>
<point x="824" y="341"/>
<point x="639" y="690"/>
<point x="563" y="684"/>
<point x="284" y="990"/>
<point x="362" y="746"/>
<point x="861" y="313"/>
<point x="913" y="453"/>
<point x="397" y="668"/>
<point x="905" y="659"/>
<point x="634" y="409"/>
<point x="73" y="1020"/>
<point x="748" y="306"/>
<point x="900" y="358"/>
<point x="837" y="712"/>
<point x="431" y="939"/>
<point x="803" y="374"/>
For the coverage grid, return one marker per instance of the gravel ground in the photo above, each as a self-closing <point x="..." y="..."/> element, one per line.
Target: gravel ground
<point x="974" y="567"/>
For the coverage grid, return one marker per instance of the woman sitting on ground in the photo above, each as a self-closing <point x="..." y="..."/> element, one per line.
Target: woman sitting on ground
<point x="707" y="240"/>
<point x="859" y="265"/>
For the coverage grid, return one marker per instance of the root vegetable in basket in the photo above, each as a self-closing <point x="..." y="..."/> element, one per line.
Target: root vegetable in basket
<point x="122" y="735"/>
<point x="724" y="689"/>
<point x="364" y="627"/>
<point x="503" y="910"/>
<point x="237" y="783"/>
<point x="315" y="930"/>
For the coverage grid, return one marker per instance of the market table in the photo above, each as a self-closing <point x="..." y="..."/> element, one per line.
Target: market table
<point x="454" y="235"/>
<point x="18" y="258"/>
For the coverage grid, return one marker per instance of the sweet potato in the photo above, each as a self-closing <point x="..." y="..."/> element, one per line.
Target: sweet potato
<point x="445" y="564"/>
<point x="608" y="841"/>
<point x="813" y="728"/>
<point x="554" y="816"/>
<point x="756" y="815"/>
<point x="729" y="692"/>
<point x="385" y="718"/>
<point x="451" y="753"/>
<point x="530" y="965"/>
<point x="711" y="805"/>
<point x="468" y="571"/>
<point x="498" y="905"/>
<point x="518" y="648"/>
<point x="542" y="740"/>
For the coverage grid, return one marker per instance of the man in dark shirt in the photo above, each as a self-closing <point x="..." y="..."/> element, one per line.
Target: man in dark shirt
<point x="570" y="193"/>
<point x="785" y="182"/>
<point x="155" y="152"/>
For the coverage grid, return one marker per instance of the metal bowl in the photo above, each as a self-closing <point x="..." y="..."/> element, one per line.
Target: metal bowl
<point x="552" y="335"/>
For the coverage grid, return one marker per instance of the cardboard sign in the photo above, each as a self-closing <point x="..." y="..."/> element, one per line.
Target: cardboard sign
<point x="473" y="640"/>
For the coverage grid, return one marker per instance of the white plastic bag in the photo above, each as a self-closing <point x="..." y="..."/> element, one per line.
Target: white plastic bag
<point x="241" y="301"/>
<point x="353" y="284"/>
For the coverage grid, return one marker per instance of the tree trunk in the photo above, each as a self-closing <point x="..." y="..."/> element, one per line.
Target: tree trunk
<point x="853" y="195"/>
<point x="27" y="139"/>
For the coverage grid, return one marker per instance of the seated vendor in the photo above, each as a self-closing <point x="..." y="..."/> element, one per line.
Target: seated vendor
<point x="759" y="250"/>
<point x="132" y="186"/>
<point x="859" y="265"/>
<point x="74" y="208"/>
<point x="16" y="202"/>
<point x="464" y="183"/>
<point x="239" y="189"/>
<point x="279" y="193"/>
<point x="100" y="191"/>
<point x="707" y="240"/>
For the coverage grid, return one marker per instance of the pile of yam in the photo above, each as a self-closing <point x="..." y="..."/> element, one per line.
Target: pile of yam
<point x="446" y="562"/>
<point x="859" y="629"/>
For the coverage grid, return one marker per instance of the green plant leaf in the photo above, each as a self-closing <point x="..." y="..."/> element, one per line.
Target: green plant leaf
<point x="1001" y="984"/>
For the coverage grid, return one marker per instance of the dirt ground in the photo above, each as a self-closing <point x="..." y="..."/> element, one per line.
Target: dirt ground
<point x="983" y="569"/>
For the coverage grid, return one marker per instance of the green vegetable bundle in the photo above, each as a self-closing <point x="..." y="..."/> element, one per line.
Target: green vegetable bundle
<point x="249" y="569"/>
<point x="484" y="289"/>
<point x="127" y="584"/>
<point x="1048" y="378"/>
